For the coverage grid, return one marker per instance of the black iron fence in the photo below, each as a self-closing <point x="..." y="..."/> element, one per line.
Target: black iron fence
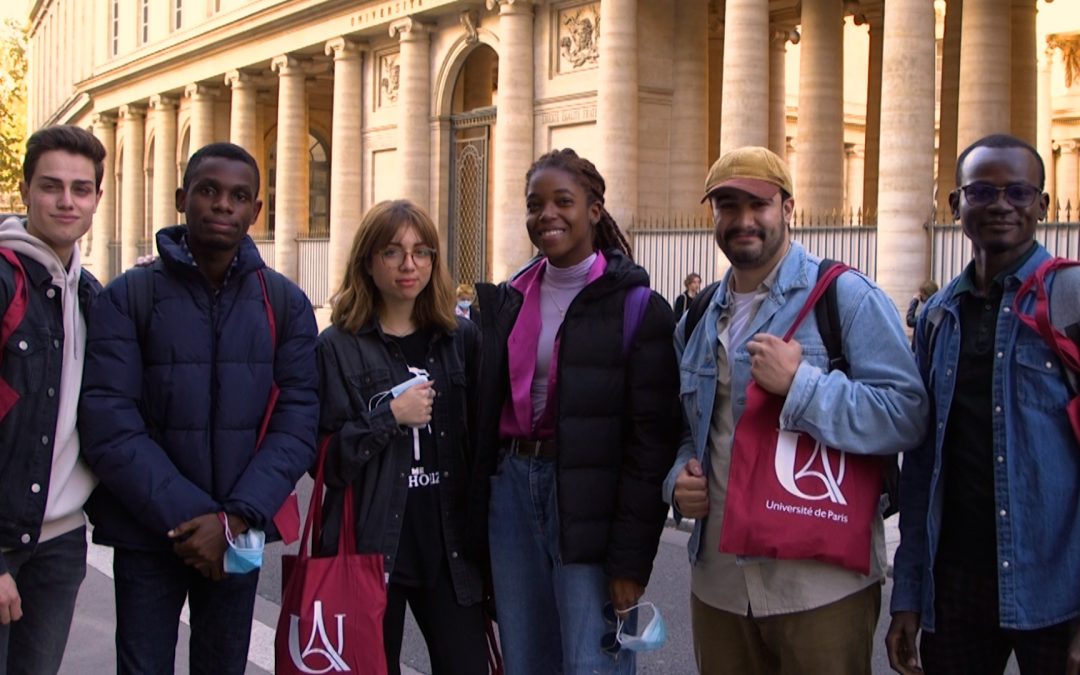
<point x="950" y="250"/>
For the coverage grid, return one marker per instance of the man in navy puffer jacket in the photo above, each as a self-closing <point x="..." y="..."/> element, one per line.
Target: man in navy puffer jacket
<point x="170" y="427"/>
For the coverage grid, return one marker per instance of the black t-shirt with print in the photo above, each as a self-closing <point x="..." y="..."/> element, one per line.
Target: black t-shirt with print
<point x="420" y="548"/>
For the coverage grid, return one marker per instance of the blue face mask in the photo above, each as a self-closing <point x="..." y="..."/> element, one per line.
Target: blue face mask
<point x="245" y="551"/>
<point x="651" y="637"/>
<point x="464" y="304"/>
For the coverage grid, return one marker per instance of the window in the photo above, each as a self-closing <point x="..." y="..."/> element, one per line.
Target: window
<point x="178" y="14"/>
<point x="318" y="189"/>
<point x="115" y="27"/>
<point x="144" y="21"/>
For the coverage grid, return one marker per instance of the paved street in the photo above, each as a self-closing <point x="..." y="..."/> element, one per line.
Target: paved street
<point x="90" y="650"/>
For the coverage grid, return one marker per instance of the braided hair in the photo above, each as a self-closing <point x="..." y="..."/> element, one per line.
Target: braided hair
<point x="606" y="232"/>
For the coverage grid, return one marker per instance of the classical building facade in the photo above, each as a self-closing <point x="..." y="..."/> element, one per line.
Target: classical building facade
<point x="447" y="102"/>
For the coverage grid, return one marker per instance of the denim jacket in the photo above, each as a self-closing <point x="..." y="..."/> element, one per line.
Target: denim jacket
<point x="1036" y="468"/>
<point x="879" y="408"/>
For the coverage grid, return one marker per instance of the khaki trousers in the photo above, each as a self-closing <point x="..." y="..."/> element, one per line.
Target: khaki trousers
<point x="837" y="639"/>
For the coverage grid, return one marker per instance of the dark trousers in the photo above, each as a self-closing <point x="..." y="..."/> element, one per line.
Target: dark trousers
<point x="455" y="636"/>
<point x="47" y="577"/>
<point x="968" y="638"/>
<point x="151" y="587"/>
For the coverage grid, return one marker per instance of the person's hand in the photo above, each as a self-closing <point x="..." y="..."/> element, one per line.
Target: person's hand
<point x="692" y="491"/>
<point x="1072" y="664"/>
<point x="201" y="543"/>
<point x="10" y="602"/>
<point x="900" y="643"/>
<point x="624" y="593"/>
<point x="773" y="362"/>
<point x="413" y="407"/>
<point x="145" y="260"/>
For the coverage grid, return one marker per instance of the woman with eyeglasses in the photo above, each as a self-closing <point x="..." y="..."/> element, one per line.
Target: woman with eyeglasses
<point x="578" y="428"/>
<point x="403" y="448"/>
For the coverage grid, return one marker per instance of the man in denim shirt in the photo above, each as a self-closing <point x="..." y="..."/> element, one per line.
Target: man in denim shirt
<point x="766" y="615"/>
<point x="989" y="557"/>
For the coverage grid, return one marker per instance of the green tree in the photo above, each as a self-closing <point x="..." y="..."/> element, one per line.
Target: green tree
<point x="13" y="121"/>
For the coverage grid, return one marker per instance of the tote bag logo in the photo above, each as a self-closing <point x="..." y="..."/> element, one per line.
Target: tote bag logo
<point x="819" y="477"/>
<point x="324" y="650"/>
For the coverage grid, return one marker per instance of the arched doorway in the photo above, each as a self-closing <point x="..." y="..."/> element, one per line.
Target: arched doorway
<point x="471" y="121"/>
<point x="318" y="188"/>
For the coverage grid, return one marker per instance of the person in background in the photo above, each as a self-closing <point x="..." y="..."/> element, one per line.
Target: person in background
<point x="576" y="427"/>
<point x="408" y="456"/>
<point x="466" y="303"/>
<point x="691" y="286"/>
<point x="928" y="288"/>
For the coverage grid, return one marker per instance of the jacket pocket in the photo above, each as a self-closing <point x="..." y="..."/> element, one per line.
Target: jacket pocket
<point x="25" y="361"/>
<point x="373" y="386"/>
<point x="1040" y="381"/>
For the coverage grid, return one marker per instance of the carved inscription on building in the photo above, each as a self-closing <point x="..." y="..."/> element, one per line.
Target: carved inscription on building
<point x="578" y="30"/>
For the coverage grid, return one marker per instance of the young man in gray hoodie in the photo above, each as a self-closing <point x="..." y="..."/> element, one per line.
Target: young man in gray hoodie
<point x="43" y="480"/>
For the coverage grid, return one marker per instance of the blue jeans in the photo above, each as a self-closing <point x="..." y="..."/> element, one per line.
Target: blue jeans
<point x="550" y="614"/>
<point x="47" y="577"/>
<point x="150" y="590"/>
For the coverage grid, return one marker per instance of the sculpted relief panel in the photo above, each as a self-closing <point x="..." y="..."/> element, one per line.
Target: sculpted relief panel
<point x="578" y="31"/>
<point x="389" y="79"/>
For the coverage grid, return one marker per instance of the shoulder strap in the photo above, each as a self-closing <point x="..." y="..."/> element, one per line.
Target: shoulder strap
<point x="697" y="309"/>
<point x="140" y="292"/>
<point x="827" y="314"/>
<point x="276" y="297"/>
<point x="637" y="298"/>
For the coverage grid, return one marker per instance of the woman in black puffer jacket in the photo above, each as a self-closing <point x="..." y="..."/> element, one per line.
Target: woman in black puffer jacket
<point x="406" y="456"/>
<point x="578" y="426"/>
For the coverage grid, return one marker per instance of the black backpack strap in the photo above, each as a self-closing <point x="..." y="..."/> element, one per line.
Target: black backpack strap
<point x="827" y="314"/>
<point x="277" y="291"/>
<point x="697" y="309"/>
<point x="140" y="292"/>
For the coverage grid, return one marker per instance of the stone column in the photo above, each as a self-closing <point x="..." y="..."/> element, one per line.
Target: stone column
<point x="1045" y="143"/>
<point x="950" y="98"/>
<point x="716" y="82"/>
<point x="105" y="217"/>
<point x="746" y="75"/>
<point x="872" y="142"/>
<point x="1025" y="91"/>
<point x="1068" y="185"/>
<point x="201" y="101"/>
<point x="819" y="185"/>
<point x="414" y="110"/>
<point x="689" y="106"/>
<point x="292" y="182"/>
<point x="985" y="71"/>
<point x="165" y="183"/>
<point x="778" y="40"/>
<point x="906" y="175"/>
<point x="243" y="128"/>
<point x="854" y="168"/>
<point x="133" y="212"/>
<point x="513" y="147"/>
<point x="617" y="107"/>
<point x="346" y="160"/>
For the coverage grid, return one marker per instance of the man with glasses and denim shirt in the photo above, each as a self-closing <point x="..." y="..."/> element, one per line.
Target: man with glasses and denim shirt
<point x="990" y="539"/>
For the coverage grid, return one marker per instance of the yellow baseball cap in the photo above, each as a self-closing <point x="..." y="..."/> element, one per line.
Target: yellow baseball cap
<point x="752" y="169"/>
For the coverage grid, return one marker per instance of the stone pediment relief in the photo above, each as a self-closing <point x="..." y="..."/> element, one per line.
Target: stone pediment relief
<point x="1069" y="44"/>
<point x="578" y="31"/>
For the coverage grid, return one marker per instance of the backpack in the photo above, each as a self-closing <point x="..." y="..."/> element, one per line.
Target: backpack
<point x="827" y="314"/>
<point x="13" y="316"/>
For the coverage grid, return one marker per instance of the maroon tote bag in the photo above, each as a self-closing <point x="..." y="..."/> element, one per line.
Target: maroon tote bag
<point x="332" y="608"/>
<point x="790" y="497"/>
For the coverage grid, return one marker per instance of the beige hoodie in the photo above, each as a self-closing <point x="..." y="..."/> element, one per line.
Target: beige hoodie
<point x="70" y="480"/>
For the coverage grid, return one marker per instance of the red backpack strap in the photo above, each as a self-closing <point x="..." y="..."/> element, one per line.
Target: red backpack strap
<point x="822" y="285"/>
<point x="13" y="316"/>
<point x="1039" y="322"/>
<point x="274" y="390"/>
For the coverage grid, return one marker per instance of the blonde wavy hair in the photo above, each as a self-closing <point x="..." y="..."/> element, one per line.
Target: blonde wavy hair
<point x="358" y="300"/>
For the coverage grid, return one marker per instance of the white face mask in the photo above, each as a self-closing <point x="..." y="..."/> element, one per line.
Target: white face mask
<point x="651" y="637"/>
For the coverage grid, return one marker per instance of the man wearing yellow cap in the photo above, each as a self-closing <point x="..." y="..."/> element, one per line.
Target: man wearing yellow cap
<point x="766" y="615"/>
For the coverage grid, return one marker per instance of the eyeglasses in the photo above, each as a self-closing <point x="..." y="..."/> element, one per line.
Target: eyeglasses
<point x="393" y="256"/>
<point x="1020" y="195"/>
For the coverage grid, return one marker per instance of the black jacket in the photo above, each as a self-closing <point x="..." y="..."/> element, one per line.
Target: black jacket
<point x="617" y="418"/>
<point x="371" y="451"/>
<point x="34" y="373"/>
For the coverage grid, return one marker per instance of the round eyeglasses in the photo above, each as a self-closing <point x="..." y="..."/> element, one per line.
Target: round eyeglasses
<point x="1020" y="195"/>
<point x="393" y="256"/>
